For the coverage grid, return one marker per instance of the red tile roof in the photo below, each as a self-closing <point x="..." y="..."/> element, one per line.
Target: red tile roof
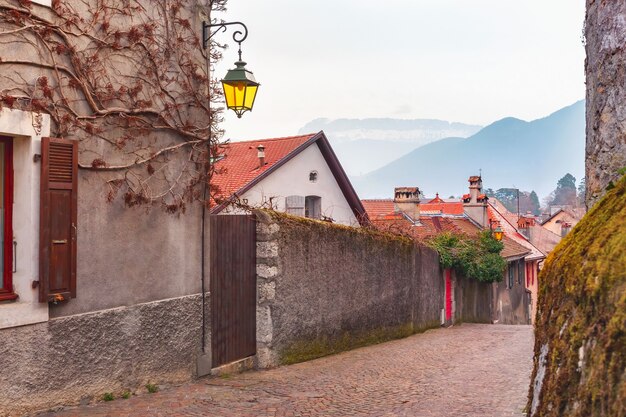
<point x="378" y="208"/>
<point x="382" y="207"/>
<point x="451" y="208"/>
<point x="497" y="204"/>
<point x="240" y="164"/>
<point x="433" y="221"/>
<point x="436" y="199"/>
<point x="429" y="226"/>
<point x="513" y="249"/>
<point x="442" y="217"/>
<point x="543" y="239"/>
<point x="511" y="232"/>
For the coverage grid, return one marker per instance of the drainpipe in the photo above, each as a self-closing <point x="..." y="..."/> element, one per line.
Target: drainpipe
<point x="518" y="205"/>
<point x="204" y="235"/>
<point x="204" y="361"/>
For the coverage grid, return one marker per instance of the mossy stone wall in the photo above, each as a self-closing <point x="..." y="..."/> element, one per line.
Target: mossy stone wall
<point x="325" y="288"/>
<point x="580" y="345"/>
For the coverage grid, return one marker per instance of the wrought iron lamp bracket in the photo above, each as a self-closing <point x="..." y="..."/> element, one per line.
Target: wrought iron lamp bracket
<point x="239" y="35"/>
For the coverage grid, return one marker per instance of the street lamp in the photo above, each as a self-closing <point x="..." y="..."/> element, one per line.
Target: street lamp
<point x="498" y="233"/>
<point x="240" y="89"/>
<point x="240" y="86"/>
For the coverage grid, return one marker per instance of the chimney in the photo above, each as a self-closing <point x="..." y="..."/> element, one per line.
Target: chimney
<point x="474" y="206"/>
<point x="261" y="155"/>
<point x="407" y="200"/>
<point x="475" y="188"/>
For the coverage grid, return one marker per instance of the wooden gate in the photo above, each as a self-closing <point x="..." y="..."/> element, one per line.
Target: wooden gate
<point x="233" y="288"/>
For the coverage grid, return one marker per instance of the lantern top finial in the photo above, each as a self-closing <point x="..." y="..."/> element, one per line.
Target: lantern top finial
<point x="240" y="74"/>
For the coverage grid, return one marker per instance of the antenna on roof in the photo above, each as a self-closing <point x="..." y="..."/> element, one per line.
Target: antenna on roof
<point x="480" y="172"/>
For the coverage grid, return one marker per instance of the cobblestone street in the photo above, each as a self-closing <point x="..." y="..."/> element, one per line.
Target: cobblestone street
<point x="467" y="370"/>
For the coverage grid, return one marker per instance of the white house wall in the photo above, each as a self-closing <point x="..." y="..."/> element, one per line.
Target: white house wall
<point x="293" y="179"/>
<point x="27" y="142"/>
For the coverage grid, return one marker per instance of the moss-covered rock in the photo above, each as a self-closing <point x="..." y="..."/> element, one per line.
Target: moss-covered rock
<point x="580" y="345"/>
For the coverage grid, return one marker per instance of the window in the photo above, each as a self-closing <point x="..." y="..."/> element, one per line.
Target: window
<point x="511" y="280"/>
<point x="313" y="207"/>
<point x="521" y="264"/>
<point x="294" y="204"/>
<point x="313" y="176"/>
<point x="565" y="228"/>
<point x="6" y="218"/>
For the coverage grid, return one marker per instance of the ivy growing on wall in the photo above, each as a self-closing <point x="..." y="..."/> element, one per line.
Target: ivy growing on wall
<point x="475" y="257"/>
<point x="129" y="80"/>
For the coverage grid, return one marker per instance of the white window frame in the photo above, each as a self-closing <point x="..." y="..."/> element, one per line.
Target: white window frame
<point x="27" y="129"/>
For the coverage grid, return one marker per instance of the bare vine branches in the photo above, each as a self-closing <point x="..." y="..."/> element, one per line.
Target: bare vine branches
<point x="129" y="80"/>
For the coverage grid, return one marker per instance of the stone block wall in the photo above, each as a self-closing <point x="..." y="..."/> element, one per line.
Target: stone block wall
<point x="324" y="288"/>
<point x="605" y="41"/>
<point x="472" y="300"/>
<point x="511" y="305"/>
<point x="78" y="358"/>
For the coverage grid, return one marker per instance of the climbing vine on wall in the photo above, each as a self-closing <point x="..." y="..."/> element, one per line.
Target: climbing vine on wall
<point x="126" y="78"/>
<point x="475" y="257"/>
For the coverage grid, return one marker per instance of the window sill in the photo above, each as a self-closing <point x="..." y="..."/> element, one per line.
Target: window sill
<point x="8" y="296"/>
<point x="21" y="313"/>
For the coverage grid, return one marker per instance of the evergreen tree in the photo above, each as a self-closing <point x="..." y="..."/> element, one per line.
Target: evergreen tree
<point x="582" y="189"/>
<point x="534" y="202"/>
<point x="508" y="197"/>
<point x="565" y="193"/>
<point x="567" y="182"/>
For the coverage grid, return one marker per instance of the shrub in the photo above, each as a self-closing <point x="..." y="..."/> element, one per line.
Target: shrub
<point x="475" y="257"/>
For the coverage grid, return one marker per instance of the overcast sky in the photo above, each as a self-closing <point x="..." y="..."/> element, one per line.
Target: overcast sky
<point x="471" y="61"/>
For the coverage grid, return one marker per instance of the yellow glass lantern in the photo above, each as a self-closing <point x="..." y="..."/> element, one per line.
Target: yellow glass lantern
<point x="240" y="89"/>
<point x="498" y="234"/>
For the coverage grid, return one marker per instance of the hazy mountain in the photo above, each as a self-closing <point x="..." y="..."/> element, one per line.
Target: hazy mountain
<point x="510" y="152"/>
<point x="364" y="145"/>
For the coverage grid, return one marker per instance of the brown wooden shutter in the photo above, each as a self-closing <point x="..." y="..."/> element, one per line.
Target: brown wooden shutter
<point x="58" y="212"/>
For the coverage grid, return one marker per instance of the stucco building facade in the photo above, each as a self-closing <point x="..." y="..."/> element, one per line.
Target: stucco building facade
<point x="96" y="296"/>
